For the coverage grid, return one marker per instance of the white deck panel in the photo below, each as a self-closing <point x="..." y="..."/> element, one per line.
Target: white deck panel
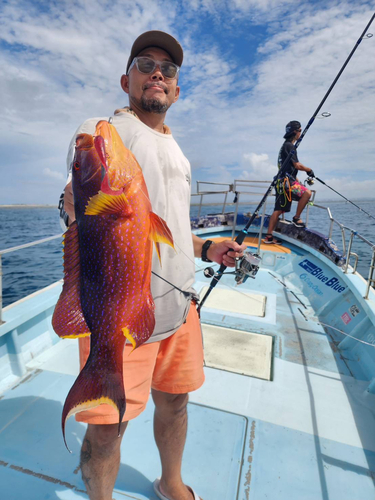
<point x="237" y="351"/>
<point x="234" y="302"/>
<point x="63" y="357"/>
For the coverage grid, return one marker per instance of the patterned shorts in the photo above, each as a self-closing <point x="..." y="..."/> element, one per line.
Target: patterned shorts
<point x="298" y="189"/>
<point x="284" y="196"/>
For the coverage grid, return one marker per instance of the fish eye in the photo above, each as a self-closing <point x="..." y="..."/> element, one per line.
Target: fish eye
<point x="76" y="165"/>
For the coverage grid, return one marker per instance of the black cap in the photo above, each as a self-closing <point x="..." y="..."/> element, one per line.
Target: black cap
<point x="291" y="127"/>
<point x="158" y="39"/>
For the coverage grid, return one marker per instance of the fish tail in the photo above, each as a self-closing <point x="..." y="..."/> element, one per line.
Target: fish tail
<point x="94" y="387"/>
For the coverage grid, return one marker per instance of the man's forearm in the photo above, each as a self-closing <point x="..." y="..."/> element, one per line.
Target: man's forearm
<point x="300" y="166"/>
<point x="197" y="244"/>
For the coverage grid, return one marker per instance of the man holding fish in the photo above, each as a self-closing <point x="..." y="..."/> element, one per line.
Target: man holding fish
<point x="118" y="211"/>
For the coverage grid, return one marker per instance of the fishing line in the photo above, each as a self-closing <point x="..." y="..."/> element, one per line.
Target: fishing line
<point x="347" y="334"/>
<point x="342" y="196"/>
<point x="174" y="286"/>
<point x="167" y="228"/>
<point x="241" y="236"/>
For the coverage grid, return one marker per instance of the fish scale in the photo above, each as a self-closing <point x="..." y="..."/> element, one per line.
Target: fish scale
<point x="109" y="291"/>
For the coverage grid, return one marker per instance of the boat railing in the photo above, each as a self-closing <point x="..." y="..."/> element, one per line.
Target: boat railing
<point x="255" y="190"/>
<point x="15" y="249"/>
<point x="246" y="192"/>
<point x="239" y="188"/>
<point x="349" y="233"/>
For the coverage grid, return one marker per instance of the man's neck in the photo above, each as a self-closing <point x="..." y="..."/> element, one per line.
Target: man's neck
<point x="152" y="120"/>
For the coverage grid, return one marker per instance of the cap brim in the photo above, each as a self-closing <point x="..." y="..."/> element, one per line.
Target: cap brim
<point x="158" y="39"/>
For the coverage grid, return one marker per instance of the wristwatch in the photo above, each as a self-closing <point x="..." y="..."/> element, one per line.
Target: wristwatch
<point x="205" y="247"/>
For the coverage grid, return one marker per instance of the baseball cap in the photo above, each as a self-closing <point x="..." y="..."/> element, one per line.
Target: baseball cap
<point x="158" y="39"/>
<point x="291" y="127"/>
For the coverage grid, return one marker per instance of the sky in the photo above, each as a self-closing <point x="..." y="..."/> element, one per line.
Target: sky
<point x="250" y="66"/>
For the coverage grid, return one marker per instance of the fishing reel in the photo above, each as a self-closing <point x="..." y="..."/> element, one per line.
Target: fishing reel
<point x="246" y="266"/>
<point x="310" y="181"/>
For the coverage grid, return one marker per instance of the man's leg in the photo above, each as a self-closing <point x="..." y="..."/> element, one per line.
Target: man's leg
<point x="302" y="203"/>
<point x="170" y="427"/>
<point x="273" y="221"/>
<point x="100" y="459"/>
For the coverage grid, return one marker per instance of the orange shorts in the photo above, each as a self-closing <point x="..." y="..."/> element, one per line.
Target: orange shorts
<point x="173" y="365"/>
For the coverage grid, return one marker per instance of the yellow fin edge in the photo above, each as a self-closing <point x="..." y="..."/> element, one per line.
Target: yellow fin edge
<point x="92" y="403"/>
<point x="129" y="336"/>
<point x="78" y="336"/>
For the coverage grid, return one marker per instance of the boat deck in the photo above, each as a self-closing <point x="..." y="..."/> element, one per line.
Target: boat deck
<point x="306" y="433"/>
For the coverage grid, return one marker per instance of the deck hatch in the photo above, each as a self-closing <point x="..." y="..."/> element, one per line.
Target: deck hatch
<point x="238" y="351"/>
<point x="224" y="299"/>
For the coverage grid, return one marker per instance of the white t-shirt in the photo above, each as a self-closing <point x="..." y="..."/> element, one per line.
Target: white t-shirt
<point x="167" y="175"/>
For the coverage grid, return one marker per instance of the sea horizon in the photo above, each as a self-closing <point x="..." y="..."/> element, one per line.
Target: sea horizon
<point x="19" y="205"/>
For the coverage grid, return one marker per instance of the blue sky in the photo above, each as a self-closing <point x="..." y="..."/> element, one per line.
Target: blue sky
<point x="250" y="66"/>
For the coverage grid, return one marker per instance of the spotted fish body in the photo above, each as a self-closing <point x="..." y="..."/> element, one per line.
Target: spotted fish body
<point x="107" y="266"/>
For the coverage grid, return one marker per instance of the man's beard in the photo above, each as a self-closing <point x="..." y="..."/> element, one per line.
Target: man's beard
<point x="152" y="105"/>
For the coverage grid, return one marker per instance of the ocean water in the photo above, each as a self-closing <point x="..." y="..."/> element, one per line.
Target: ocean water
<point x="28" y="270"/>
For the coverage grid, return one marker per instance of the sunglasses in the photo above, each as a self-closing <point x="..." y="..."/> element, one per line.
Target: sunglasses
<point x="146" y="65"/>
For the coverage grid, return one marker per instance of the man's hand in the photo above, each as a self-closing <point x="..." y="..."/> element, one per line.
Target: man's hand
<point x="218" y="252"/>
<point x="69" y="202"/>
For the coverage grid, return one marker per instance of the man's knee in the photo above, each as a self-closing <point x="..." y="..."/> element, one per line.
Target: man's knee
<point x="171" y="404"/>
<point x="105" y="437"/>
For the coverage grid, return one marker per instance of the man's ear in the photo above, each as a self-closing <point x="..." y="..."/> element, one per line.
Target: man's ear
<point x="125" y="83"/>
<point x="177" y="94"/>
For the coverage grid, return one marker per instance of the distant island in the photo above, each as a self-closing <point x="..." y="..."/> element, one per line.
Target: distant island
<point x="28" y="206"/>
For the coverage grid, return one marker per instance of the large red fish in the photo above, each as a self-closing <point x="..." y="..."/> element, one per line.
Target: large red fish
<point x="107" y="266"/>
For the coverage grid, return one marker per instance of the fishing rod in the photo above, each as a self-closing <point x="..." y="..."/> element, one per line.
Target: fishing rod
<point x="243" y="233"/>
<point x="342" y="196"/>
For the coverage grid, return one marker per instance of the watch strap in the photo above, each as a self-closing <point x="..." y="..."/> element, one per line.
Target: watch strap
<point x="205" y="247"/>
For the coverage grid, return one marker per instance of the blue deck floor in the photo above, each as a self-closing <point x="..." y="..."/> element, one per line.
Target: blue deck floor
<point x="43" y="467"/>
<point x="306" y="434"/>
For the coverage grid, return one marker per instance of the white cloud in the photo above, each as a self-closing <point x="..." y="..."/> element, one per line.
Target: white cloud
<point x="63" y="66"/>
<point x="54" y="175"/>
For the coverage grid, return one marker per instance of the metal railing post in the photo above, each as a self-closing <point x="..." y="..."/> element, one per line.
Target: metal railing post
<point x="349" y="252"/>
<point x="225" y="202"/>
<point x="370" y="273"/>
<point x="261" y="226"/>
<point x="200" y="206"/>
<point x="310" y="203"/>
<point x="235" y="215"/>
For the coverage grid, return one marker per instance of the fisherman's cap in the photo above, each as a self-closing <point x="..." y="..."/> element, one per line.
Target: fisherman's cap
<point x="291" y="127"/>
<point x="158" y="39"/>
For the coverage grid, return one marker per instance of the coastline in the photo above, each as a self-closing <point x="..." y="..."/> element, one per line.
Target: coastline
<point x="28" y="206"/>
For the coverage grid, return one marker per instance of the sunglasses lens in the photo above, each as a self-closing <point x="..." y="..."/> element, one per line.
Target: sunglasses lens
<point x="145" y="65"/>
<point x="168" y="69"/>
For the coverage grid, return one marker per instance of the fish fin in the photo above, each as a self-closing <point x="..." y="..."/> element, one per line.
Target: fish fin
<point x="68" y="320"/>
<point x="142" y="323"/>
<point x="106" y="204"/>
<point x="129" y="337"/>
<point x="159" y="233"/>
<point x="95" y="386"/>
